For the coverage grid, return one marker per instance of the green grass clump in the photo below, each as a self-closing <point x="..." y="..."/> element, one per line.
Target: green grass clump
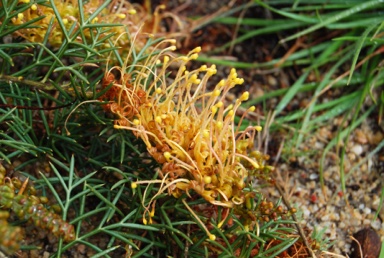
<point x="338" y="50"/>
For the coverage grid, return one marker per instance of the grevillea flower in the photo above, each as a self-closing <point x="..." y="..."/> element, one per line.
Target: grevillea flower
<point x="124" y="15"/>
<point x="42" y="14"/>
<point x="186" y="127"/>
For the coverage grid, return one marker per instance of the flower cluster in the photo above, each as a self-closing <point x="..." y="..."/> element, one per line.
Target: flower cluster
<point x="187" y="128"/>
<point x="40" y="16"/>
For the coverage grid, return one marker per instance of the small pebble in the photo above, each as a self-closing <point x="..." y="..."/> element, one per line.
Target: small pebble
<point x="271" y="80"/>
<point x="334" y="217"/>
<point x="357" y="149"/>
<point x="357" y="214"/>
<point x="367" y="210"/>
<point x="319" y="145"/>
<point x="306" y="213"/>
<point x="313" y="176"/>
<point x="360" y="137"/>
<point x="81" y="249"/>
<point x="376" y="224"/>
<point x="325" y="217"/>
<point x="376" y="138"/>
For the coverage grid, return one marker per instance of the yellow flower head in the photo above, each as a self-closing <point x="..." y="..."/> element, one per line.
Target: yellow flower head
<point x="186" y="127"/>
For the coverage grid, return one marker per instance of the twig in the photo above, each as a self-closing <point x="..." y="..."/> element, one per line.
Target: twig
<point x="20" y="79"/>
<point x="278" y="187"/>
<point x="237" y="27"/>
<point x="299" y="229"/>
<point x="35" y="108"/>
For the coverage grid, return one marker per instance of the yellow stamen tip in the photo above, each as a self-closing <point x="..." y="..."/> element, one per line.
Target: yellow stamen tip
<point x="194" y="56"/>
<point x="166" y="59"/>
<point x="207" y="179"/>
<point x="34" y="7"/>
<point x="211" y="71"/>
<point x="196" y="50"/>
<point x="216" y="93"/>
<point x="258" y="128"/>
<point x="133" y="185"/>
<point x="212" y="237"/>
<point x="244" y="96"/>
<point x="132" y="11"/>
<point x="158" y="119"/>
<point x="219" y="124"/>
<point x="193" y="78"/>
<point x="167" y="156"/>
<point x="219" y="104"/>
